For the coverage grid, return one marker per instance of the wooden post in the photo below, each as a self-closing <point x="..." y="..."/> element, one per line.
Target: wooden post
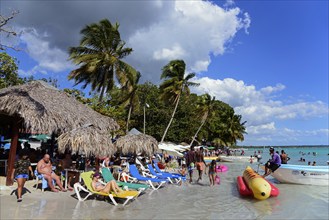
<point x="52" y="145"/>
<point x="12" y="152"/>
<point x="97" y="164"/>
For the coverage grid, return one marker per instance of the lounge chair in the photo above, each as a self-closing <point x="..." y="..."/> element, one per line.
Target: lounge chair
<point x="170" y="176"/>
<point x="141" y="165"/>
<point x="134" y="172"/>
<point x="87" y="179"/>
<point x="107" y="176"/>
<point x="157" y="169"/>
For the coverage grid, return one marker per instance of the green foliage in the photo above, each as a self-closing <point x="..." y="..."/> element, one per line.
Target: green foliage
<point x="222" y="126"/>
<point x="99" y="57"/>
<point x="175" y="85"/>
<point x="8" y="71"/>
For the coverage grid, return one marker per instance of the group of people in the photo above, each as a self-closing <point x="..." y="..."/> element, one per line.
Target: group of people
<point x="22" y="169"/>
<point x="193" y="159"/>
<point x="196" y="159"/>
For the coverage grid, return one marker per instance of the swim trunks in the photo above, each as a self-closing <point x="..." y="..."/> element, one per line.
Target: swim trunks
<point x="199" y="165"/>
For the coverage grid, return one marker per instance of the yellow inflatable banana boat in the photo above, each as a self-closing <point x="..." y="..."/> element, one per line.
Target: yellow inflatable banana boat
<point x="260" y="188"/>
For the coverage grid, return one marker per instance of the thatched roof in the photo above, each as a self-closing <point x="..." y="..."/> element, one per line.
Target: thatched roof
<point x="42" y="108"/>
<point x="88" y="140"/>
<point x="137" y="144"/>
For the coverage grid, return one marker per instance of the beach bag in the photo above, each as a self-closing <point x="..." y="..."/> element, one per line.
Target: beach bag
<point x="217" y="179"/>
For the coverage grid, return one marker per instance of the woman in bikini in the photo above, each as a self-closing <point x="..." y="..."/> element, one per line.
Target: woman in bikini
<point x="111" y="186"/>
<point x="212" y="172"/>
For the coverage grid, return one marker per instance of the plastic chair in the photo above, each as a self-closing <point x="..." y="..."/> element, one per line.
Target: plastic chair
<point x="44" y="183"/>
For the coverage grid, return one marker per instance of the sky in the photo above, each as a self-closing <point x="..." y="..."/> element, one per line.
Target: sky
<point x="267" y="59"/>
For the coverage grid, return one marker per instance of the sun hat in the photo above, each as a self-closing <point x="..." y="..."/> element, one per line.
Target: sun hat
<point x="97" y="175"/>
<point x="271" y="148"/>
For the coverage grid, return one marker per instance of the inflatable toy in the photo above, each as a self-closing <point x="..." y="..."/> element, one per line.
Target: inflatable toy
<point x="252" y="184"/>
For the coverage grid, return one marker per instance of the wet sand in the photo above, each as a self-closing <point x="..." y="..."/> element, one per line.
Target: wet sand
<point x="189" y="201"/>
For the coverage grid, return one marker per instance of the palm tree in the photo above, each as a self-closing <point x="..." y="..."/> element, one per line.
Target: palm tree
<point x="129" y="96"/>
<point x="205" y="106"/>
<point x="99" y="57"/>
<point x="234" y="129"/>
<point x="175" y="85"/>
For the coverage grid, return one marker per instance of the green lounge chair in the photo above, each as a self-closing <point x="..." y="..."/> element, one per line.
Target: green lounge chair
<point x="87" y="179"/>
<point x="107" y="176"/>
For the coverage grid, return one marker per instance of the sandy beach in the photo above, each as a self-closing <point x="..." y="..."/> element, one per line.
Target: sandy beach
<point x="189" y="201"/>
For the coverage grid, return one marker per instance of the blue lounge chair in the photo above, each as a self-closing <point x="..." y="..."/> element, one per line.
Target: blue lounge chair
<point x="170" y="176"/>
<point x="159" y="175"/>
<point x="134" y="172"/>
<point x="157" y="169"/>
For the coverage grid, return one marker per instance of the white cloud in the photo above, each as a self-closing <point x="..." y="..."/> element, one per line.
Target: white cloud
<point x="192" y="31"/>
<point x="262" y="112"/>
<point x="261" y="129"/>
<point x="271" y="89"/>
<point x="169" y="54"/>
<point x="48" y="59"/>
<point x="158" y="32"/>
<point x="258" y="106"/>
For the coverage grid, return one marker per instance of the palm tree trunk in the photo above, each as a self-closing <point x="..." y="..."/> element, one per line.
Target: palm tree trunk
<point x="196" y="134"/>
<point x="204" y="119"/>
<point x="171" y="119"/>
<point x="128" y="119"/>
<point x="101" y="95"/>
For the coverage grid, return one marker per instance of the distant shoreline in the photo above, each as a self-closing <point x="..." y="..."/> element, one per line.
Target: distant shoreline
<point x="286" y="146"/>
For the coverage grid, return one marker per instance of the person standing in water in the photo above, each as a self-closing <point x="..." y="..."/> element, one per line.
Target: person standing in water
<point x="200" y="163"/>
<point x="190" y="162"/>
<point x="212" y="172"/>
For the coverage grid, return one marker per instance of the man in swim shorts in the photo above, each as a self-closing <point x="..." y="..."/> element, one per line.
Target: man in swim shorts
<point x="200" y="163"/>
<point x="44" y="167"/>
<point x="273" y="163"/>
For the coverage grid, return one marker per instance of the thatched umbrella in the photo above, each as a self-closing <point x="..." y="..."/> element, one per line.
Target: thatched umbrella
<point x="41" y="108"/>
<point x="44" y="109"/>
<point x="137" y="144"/>
<point x="88" y="140"/>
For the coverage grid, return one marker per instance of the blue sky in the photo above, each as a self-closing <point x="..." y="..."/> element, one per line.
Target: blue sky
<point x="267" y="59"/>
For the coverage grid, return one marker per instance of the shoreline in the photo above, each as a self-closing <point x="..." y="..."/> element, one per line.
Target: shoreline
<point x="284" y="146"/>
<point x="189" y="201"/>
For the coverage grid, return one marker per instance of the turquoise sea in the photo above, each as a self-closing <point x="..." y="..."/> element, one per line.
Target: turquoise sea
<point x="319" y="154"/>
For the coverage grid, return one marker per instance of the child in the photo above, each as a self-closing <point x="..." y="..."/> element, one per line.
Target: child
<point x="212" y="172"/>
<point x="251" y="159"/>
<point x="183" y="172"/>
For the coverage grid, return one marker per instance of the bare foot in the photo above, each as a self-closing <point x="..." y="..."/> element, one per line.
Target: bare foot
<point x="64" y="190"/>
<point x="55" y="190"/>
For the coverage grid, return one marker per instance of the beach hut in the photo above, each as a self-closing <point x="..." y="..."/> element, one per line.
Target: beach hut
<point x="40" y="108"/>
<point x="137" y="144"/>
<point x="87" y="140"/>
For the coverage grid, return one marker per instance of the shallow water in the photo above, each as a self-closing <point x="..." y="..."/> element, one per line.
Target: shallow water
<point x="196" y="201"/>
<point x="321" y="155"/>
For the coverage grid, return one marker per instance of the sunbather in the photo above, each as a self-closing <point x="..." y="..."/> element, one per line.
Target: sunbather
<point x="44" y="167"/>
<point x="111" y="186"/>
<point x="183" y="172"/>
